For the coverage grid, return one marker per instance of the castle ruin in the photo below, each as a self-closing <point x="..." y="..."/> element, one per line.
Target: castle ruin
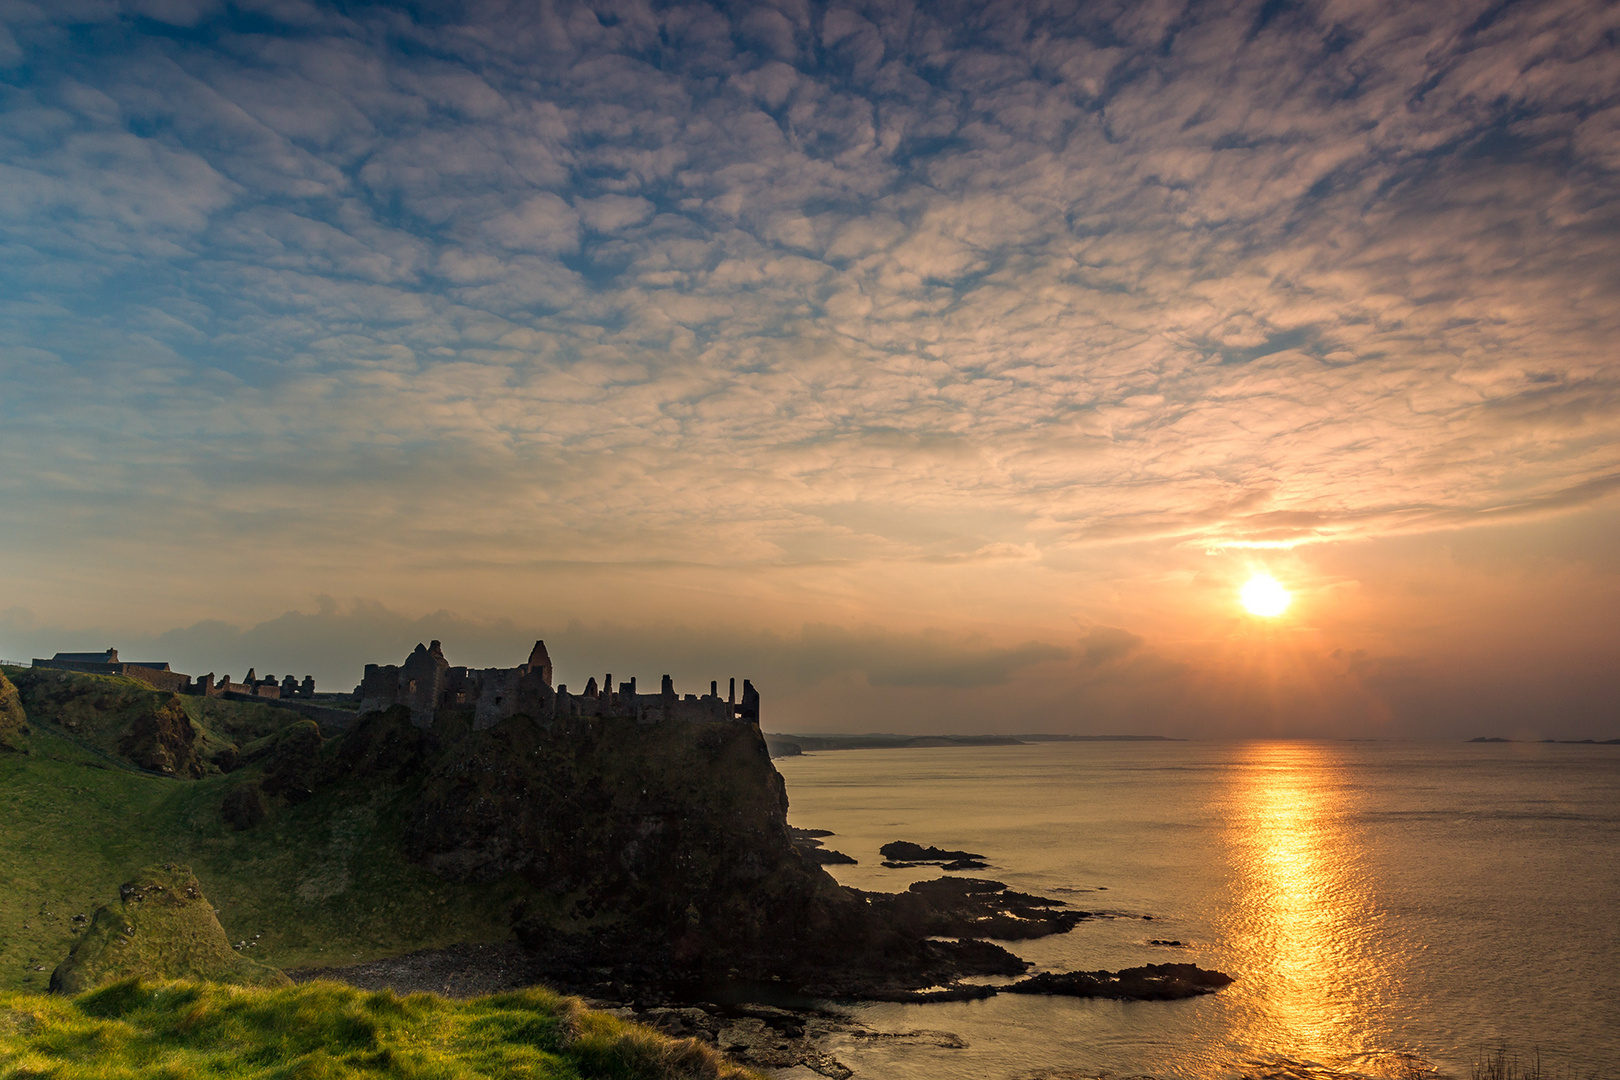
<point x="154" y="673"/>
<point x="426" y="683"/>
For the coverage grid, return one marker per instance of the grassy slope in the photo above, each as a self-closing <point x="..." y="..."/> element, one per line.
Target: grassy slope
<point x="323" y="1030"/>
<point x="95" y="711"/>
<point x="162" y="928"/>
<point x="321" y="882"/>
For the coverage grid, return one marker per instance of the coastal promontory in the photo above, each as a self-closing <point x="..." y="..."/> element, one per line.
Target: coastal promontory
<point x="630" y="842"/>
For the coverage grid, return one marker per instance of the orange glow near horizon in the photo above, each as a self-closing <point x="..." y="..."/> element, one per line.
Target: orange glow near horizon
<point x="1263" y="596"/>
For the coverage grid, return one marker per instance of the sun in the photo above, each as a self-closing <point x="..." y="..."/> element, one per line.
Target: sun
<point x="1263" y="596"/>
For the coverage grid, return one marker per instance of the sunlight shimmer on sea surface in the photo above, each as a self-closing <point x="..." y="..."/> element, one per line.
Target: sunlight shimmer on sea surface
<point x="1385" y="907"/>
<point x="1301" y="897"/>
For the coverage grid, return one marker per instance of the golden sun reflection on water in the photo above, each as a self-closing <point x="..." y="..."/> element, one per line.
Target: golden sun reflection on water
<point x="1302" y="907"/>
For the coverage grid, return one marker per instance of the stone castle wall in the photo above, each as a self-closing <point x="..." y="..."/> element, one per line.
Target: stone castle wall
<point x="426" y="683"/>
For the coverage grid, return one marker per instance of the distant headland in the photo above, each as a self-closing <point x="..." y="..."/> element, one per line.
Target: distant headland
<point x="1560" y="742"/>
<point x="786" y="745"/>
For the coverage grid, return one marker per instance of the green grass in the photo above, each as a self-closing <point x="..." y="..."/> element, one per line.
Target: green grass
<point x="321" y="883"/>
<point x="162" y="928"/>
<point x="96" y="711"/>
<point x="192" y="1031"/>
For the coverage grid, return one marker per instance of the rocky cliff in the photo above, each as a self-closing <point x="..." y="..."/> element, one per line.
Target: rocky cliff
<point x="659" y="851"/>
<point x="656" y="852"/>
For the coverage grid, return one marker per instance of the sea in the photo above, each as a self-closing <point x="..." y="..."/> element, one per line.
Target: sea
<point x="1388" y="909"/>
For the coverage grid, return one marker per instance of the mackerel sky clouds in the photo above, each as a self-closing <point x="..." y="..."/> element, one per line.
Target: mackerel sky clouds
<point x="915" y="350"/>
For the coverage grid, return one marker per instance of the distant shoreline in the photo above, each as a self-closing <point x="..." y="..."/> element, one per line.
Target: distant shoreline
<point x="789" y="745"/>
<point x="1538" y="742"/>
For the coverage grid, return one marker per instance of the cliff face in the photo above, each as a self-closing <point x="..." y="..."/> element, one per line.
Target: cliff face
<point x="650" y="842"/>
<point x="661" y="844"/>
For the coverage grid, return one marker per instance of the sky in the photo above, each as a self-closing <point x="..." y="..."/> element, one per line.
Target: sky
<point x="938" y="366"/>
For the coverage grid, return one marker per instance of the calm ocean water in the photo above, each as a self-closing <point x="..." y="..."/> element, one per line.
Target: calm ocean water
<point x="1373" y="899"/>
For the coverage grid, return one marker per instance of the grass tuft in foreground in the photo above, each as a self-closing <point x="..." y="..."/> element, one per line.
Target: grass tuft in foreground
<point x="321" y="1030"/>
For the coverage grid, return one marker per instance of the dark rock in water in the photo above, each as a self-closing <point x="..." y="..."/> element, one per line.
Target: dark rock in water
<point x="958" y="886"/>
<point x="161" y="928"/>
<point x="809" y="844"/>
<point x="904" y="851"/>
<point x="954" y="992"/>
<point x="975" y="908"/>
<point x="1175" y="944"/>
<point x="829" y="857"/>
<point x="1151" y="982"/>
<point x="985" y="958"/>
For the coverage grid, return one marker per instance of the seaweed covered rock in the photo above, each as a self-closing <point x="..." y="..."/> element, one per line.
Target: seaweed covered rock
<point x="161" y="928"/>
<point x="163" y="740"/>
<point x="13" y="721"/>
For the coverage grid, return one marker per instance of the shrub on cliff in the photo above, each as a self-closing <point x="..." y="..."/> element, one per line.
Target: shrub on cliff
<point x="333" y="1032"/>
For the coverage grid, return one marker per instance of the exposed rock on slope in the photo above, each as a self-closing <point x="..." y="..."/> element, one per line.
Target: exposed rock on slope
<point x="163" y="741"/>
<point x="181" y="736"/>
<point x="161" y="928"/>
<point x="13" y="721"/>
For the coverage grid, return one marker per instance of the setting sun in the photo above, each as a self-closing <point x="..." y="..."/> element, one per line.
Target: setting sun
<point x="1263" y="596"/>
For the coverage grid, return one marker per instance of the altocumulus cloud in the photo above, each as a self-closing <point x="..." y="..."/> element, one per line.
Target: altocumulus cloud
<point x="691" y="281"/>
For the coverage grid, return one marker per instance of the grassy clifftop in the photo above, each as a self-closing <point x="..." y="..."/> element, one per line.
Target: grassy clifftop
<point x="323" y="882"/>
<point x="116" y="716"/>
<point x="322" y="1030"/>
